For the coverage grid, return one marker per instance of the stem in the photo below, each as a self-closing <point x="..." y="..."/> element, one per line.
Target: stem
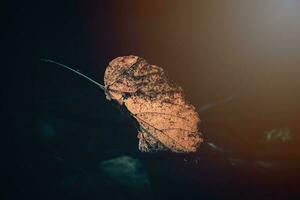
<point x="73" y="70"/>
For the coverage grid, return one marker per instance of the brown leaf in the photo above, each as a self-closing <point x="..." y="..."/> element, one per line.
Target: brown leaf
<point x="167" y="121"/>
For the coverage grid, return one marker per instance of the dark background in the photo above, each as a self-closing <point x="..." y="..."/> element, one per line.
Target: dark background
<point x="56" y="125"/>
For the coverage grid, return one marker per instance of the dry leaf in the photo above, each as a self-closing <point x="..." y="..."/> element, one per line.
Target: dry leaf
<point x="166" y="120"/>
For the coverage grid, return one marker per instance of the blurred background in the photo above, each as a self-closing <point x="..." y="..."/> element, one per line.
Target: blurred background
<point x="237" y="61"/>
